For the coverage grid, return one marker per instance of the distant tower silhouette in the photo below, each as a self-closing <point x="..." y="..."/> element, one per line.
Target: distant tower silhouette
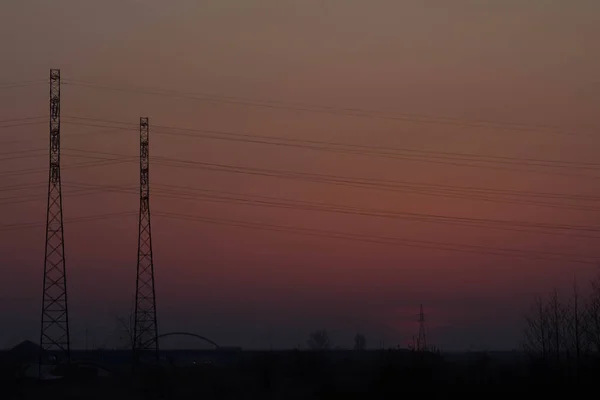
<point x="145" y="330"/>
<point x="54" y="336"/>
<point x="422" y="339"/>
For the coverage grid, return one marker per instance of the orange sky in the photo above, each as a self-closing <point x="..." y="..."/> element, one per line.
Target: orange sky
<point x="505" y="61"/>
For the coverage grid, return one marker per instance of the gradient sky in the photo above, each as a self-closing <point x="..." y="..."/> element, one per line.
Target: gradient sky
<point x="532" y="62"/>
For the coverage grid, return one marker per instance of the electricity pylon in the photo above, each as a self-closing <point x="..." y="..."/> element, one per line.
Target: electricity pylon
<point x="54" y="336"/>
<point x="422" y="339"/>
<point x="145" y="331"/>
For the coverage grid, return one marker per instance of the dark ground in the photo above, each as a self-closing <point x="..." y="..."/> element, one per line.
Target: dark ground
<point x="378" y="374"/>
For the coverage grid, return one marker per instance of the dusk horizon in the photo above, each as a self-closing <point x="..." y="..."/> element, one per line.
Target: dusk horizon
<point x="312" y="165"/>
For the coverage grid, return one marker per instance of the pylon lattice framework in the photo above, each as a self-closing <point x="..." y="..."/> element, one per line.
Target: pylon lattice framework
<point x="422" y="339"/>
<point x="145" y="332"/>
<point x="54" y="334"/>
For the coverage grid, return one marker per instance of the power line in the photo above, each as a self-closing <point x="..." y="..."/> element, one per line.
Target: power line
<point x="24" y="121"/>
<point x="461" y="192"/>
<point x="322" y="233"/>
<point x="29" y="225"/>
<point x="22" y="156"/>
<point x="386" y="151"/>
<point x="44" y="117"/>
<point x="11" y="85"/>
<point x="68" y="166"/>
<point x="31" y="198"/>
<point x="356" y="112"/>
<point x="446" y="190"/>
<point x="367" y="184"/>
<point x="23" y="186"/>
<point x="271" y="202"/>
<point x="405" y="154"/>
<point x="423" y="158"/>
<point x="268" y="200"/>
<point x="45" y="139"/>
<point x="328" y="234"/>
<point x="30" y="140"/>
<point x="21" y="197"/>
<point x="541" y="255"/>
<point x="23" y="124"/>
<point x="21" y="152"/>
<point x="320" y="206"/>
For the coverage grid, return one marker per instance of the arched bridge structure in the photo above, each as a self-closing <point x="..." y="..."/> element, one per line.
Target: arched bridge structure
<point x="205" y="339"/>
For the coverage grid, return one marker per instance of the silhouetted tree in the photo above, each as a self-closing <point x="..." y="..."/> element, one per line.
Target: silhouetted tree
<point x="360" y="342"/>
<point x="554" y="311"/>
<point x="577" y="322"/>
<point x="537" y="332"/>
<point x="592" y="317"/>
<point x="319" y="340"/>
<point x="555" y="327"/>
<point x="126" y="331"/>
<point x="574" y="337"/>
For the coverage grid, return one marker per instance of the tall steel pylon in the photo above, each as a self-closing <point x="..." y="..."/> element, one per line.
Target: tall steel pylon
<point x="145" y="331"/>
<point x="422" y="339"/>
<point x="54" y="336"/>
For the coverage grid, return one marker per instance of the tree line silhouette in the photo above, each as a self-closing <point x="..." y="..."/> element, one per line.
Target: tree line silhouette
<point x="564" y="329"/>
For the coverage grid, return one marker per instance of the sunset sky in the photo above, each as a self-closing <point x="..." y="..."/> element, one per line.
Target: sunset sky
<point x="473" y="110"/>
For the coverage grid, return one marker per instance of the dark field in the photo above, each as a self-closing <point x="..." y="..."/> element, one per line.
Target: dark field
<point x="234" y="374"/>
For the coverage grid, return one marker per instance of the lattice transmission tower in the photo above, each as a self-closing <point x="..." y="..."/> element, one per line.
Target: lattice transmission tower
<point x="145" y="331"/>
<point x="54" y="336"/>
<point x="422" y="339"/>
